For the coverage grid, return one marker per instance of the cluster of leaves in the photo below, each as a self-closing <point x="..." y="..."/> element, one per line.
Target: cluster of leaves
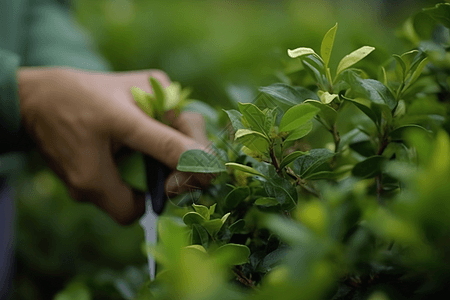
<point x="364" y="215"/>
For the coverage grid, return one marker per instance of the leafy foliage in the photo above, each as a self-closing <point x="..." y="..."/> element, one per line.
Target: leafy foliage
<point x="358" y="218"/>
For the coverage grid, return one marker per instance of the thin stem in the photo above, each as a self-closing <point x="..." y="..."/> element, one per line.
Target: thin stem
<point x="274" y="160"/>
<point x="299" y="181"/>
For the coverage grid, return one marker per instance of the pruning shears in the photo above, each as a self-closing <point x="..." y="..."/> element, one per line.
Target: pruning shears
<point x="155" y="200"/>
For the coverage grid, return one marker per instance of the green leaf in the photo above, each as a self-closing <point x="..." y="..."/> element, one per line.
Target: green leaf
<point x="193" y="218"/>
<point x="197" y="248"/>
<point x="199" y="235"/>
<point x="291" y="157"/>
<point x="365" y="148"/>
<point x="232" y="254"/>
<point x="255" y="118"/>
<point x="415" y="75"/>
<point x="213" y="226"/>
<point x="237" y="226"/>
<point x="329" y="175"/>
<point x="398" y="134"/>
<point x="306" y="164"/>
<point x="236" y="196"/>
<point x="285" y="96"/>
<point x="199" y="161"/>
<point x="402" y="65"/>
<point x="244" y="168"/>
<point x="266" y="202"/>
<point x="278" y="187"/>
<point x="235" y="118"/>
<point x="212" y="209"/>
<point x="369" y="167"/>
<point x="314" y="65"/>
<point x="327" y="113"/>
<point x="354" y="57"/>
<point x="202" y="210"/>
<point x="300" y="52"/>
<point x="300" y="132"/>
<point x="253" y="140"/>
<point x="375" y="91"/>
<point x="327" y="44"/>
<point x="298" y="116"/>
<point x="441" y="13"/>
<point x="159" y="95"/>
<point x="364" y="106"/>
<point x="326" y="97"/>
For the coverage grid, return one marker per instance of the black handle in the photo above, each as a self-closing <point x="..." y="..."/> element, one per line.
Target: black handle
<point x="156" y="173"/>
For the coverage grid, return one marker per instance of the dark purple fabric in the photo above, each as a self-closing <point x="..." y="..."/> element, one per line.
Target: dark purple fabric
<point x="6" y="239"/>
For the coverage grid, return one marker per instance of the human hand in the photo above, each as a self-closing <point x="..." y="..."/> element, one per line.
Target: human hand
<point x="80" y="119"/>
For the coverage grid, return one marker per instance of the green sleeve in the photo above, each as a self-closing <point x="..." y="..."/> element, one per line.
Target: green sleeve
<point x="54" y="38"/>
<point x="42" y="33"/>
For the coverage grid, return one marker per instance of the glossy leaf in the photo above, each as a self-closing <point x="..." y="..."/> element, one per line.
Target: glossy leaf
<point x="199" y="235"/>
<point x="199" y="161"/>
<point x="369" y="167"/>
<point x="327" y="113"/>
<point x="354" y="57"/>
<point x="300" y="132"/>
<point x="327" y="44"/>
<point x="253" y="140"/>
<point x="236" y="196"/>
<point x="398" y="134"/>
<point x="237" y="226"/>
<point x="235" y="118"/>
<point x="315" y="67"/>
<point x="306" y="164"/>
<point x="298" y="116"/>
<point x="291" y="157"/>
<point x="244" y="168"/>
<point x="202" y="210"/>
<point x="193" y="218"/>
<point x="255" y="117"/>
<point x="330" y="175"/>
<point x="441" y="13"/>
<point x="375" y="91"/>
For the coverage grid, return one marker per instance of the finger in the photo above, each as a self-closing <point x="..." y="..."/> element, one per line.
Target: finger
<point x="134" y="129"/>
<point x="190" y="123"/>
<point x="100" y="183"/>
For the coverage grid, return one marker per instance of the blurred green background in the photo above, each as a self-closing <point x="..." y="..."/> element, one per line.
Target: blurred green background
<point x="224" y="50"/>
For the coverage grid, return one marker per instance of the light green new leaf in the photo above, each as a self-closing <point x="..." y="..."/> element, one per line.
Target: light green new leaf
<point x="352" y="58"/>
<point x="244" y="168"/>
<point x="255" y="117"/>
<point x="326" y="97"/>
<point x="300" y="132"/>
<point x="300" y="52"/>
<point x="297" y="116"/>
<point x="202" y="210"/>
<point x="291" y="157"/>
<point x="253" y="140"/>
<point x="193" y="218"/>
<point x="327" y="44"/>
<point x="143" y="100"/>
<point x="199" y="161"/>
<point x="415" y="75"/>
<point x="159" y="95"/>
<point x="212" y="209"/>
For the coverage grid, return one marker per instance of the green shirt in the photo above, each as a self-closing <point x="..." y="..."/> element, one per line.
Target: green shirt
<point x="34" y="33"/>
